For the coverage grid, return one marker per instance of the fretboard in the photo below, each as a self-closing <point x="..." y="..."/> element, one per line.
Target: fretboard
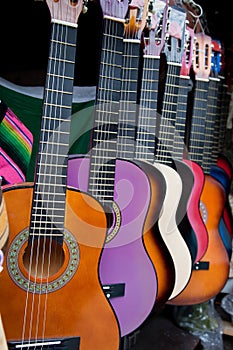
<point x="180" y="124"/>
<point x="164" y="149"/>
<point x="210" y="116"/>
<point x="128" y="99"/>
<point x="197" y="136"/>
<point x="216" y="133"/>
<point x="146" y="125"/>
<point x="48" y="208"/>
<point x="104" y="137"/>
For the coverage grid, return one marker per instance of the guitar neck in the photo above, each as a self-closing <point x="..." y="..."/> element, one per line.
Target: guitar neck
<point x="128" y="99"/>
<point x="146" y="125"/>
<point x="197" y="137"/>
<point x="211" y="113"/>
<point x="51" y="169"/>
<point x="164" y="149"/>
<point x="180" y="124"/>
<point x="216" y="141"/>
<point x="154" y="40"/>
<point x="104" y="138"/>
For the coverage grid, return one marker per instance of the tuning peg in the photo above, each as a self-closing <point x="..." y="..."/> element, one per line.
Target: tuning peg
<point x="85" y="8"/>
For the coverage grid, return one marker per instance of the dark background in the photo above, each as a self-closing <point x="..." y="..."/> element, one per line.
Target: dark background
<point x="25" y="32"/>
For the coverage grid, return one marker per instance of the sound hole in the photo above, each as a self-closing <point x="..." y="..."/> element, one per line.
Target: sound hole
<point x="113" y="221"/>
<point x="43" y="258"/>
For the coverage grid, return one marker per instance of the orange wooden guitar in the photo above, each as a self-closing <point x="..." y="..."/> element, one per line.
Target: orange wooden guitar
<point x="50" y="294"/>
<point x="211" y="272"/>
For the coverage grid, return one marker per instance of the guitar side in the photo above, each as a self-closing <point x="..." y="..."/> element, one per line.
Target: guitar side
<point x="79" y="303"/>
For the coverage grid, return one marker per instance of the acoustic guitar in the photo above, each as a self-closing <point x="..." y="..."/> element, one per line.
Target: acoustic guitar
<point x="221" y="166"/>
<point x="165" y="128"/>
<point x="131" y="116"/>
<point x="126" y="272"/>
<point x="180" y="151"/>
<point x="207" y="162"/>
<point x="210" y="273"/>
<point x="50" y="295"/>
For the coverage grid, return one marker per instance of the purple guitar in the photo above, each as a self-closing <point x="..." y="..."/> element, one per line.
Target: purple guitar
<point x="126" y="272"/>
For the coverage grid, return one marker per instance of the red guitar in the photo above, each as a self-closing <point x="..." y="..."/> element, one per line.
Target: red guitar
<point x="50" y="295"/>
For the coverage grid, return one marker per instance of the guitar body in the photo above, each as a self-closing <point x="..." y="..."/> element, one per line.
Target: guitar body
<point x="182" y="217"/>
<point x="170" y="231"/>
<point x="212" y="271"/>
<point x="124" y="258"/>
<point x="77" y="302"/>
<point x="193" y="210"/>
<point x="154" y="243"/>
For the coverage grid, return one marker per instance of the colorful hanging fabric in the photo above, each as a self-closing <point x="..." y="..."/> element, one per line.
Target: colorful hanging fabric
<point x="16" y="143"/>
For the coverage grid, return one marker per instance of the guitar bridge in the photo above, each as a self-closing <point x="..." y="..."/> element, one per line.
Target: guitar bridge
<point x="201" y="265"/>
<point x="114" y="290"/>
<point x="72" y="343"/>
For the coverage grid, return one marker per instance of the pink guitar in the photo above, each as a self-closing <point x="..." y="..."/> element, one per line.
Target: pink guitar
<point x="126" y="272"/>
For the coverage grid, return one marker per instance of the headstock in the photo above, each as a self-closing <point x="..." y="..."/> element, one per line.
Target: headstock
<point x="115" y="8"/>
<point x="136" y="18"/>
<point x="187" y="57"/>
<point x="175" y="34"/>
<point x="154" y="37"/>
<point x="65" y="10"/>
<point x="202" y="55"/>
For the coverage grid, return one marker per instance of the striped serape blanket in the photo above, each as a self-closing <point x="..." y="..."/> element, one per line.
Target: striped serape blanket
<point x="16" y="143"/>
